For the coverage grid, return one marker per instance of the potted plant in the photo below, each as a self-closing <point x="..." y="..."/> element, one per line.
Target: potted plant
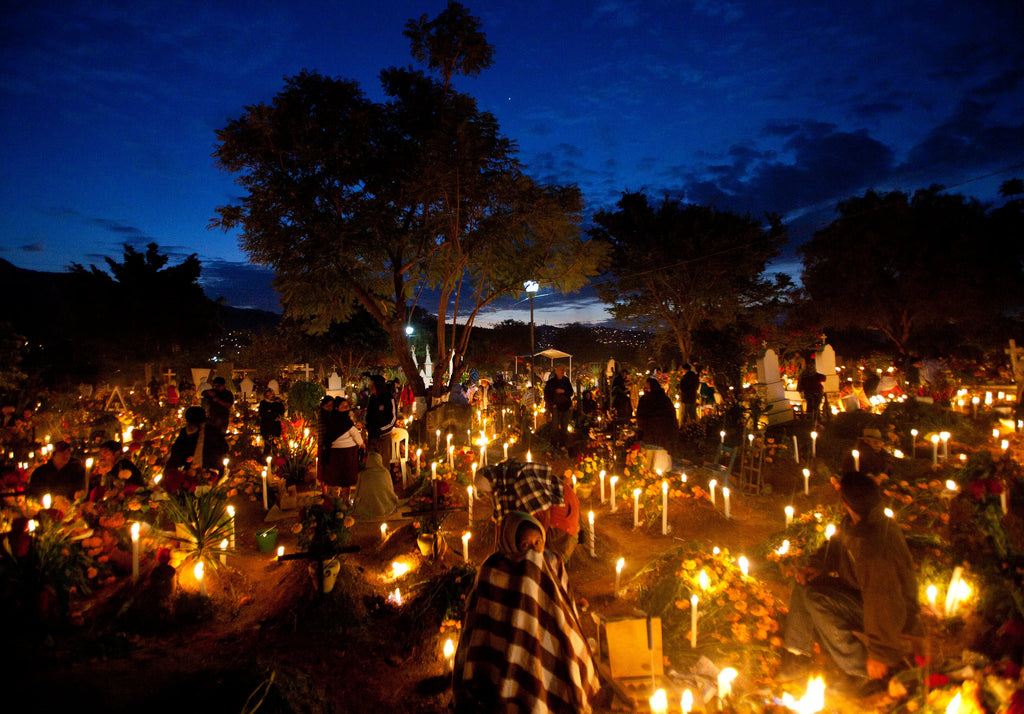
<point x="324" y="530"/>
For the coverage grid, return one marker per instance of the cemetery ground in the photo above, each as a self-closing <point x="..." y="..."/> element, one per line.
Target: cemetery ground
<point x="265" y="640"/>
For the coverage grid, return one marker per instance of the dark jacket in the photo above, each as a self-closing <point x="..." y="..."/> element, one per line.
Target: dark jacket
<point x="558" y="400"/>
<point x="688" y="386"/>
<point x="872" y="557"/>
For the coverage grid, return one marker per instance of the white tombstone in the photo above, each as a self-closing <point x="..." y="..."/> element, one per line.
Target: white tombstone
<point x="200" y="375"/>
<point x="772" y="389"/>
<point x="272" y="384"/>
<point x="825" y="363"/>
<point x="246" y="386"/>
<point x="334" y="385"/>
<point x="85" y="390"/>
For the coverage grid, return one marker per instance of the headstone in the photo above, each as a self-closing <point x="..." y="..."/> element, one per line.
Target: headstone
<point x="272" y="384"/>
<point x="200" y="376"/>
<point x="85" y="390"/>
<point x="825" y="363"/>
<point x="778" y="410"/>
<point x="334" y="385"/>
<point x="246" y="387"/>
<point x="225" y="370"/>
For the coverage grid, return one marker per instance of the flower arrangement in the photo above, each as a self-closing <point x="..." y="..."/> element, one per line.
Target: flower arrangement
<point x="427" y="522"/>
<point x="792" y="548"/>
<point x="738" y="616"/>
<point x="202" y="520"/>
<point x="324" y="526"/>
<point x="298" y="452"/>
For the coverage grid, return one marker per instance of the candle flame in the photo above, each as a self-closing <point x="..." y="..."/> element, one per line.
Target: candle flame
<point x="687" y="703"/>
<point x="812" y="701"/>
<point x="784" y="548"/>
<point x="198" y="570"/>
<point x="725" y="678"/>
<point x="449" y="649"/>
<point x="135" y="530"/>
<point x="620" y="565"/>
<point x="399" y="569"/>
<point x="830" y="530"/>
<point x="659" y="701"/>
<point x="744" y="564"/>
<point x="954" y="704"/>
<point x="47" y="500"/>
<point x="703" y="580"/>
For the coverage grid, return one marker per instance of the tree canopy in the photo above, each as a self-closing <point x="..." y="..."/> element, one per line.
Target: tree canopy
<point x="675" y="267"/>
<point x="358" y="203"/>
<point x="910" y="266"/>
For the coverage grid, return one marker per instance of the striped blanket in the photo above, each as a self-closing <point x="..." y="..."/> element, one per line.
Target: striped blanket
<point x="522" y="648"/>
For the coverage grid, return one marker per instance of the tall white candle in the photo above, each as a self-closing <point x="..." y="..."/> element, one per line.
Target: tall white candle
<point x="659" y="702"/>
<point x="693" y="621"/>
<point x="437" y="440"/>
<point x="687" y="702"/>
<point x="664" y="507"/>
<point x="725" y="498"/>
<point x="814" y="444"/>
<point x="1004" y="501"/>
<point x="223" y="554"/>
<point x="88" y="472"/>
<point x="944" y="435"/>
<point x="712" y="485"/>
<point x="433" y="470"/>
<point x="469" y="500"/>
<point x="265" y="503"/>
<point x="856" y="460"/>
<point x="465" y="546"/>
<point x="618" y="574"/>
<point x="529" y="457"/>
<point x="383" y="532"/>
<point x="270" y="467"/>
<point x="231" y="526"/>
<point x="590" y="518"/>
<point x="505" y="447"/>
<point x="447" y="442"/>
<point x="135" y="552"/>
<point x="721" y="436"/>
<point x="796" y="449"/>
<point x="935" y="449"/>
<point x="451" y="457"/>
<point x="636" y="507"/>
<point x="807" y="482"/>
<point x="601" y="477"/>
<point x="419" y="452"/>
<point x="47" y="501"/>
<point x="789" y="515"/>
<point x="614" y="480"/>
<point x="913" y="443"/>
<point x="483" y="453"/>
<point x="227" y="471"/>
<point x="198" y="572"/>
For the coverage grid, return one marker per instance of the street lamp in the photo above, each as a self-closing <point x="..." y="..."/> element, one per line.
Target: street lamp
<point x="531" y="286"/>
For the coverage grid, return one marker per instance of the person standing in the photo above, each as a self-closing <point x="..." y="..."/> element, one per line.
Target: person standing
<point x="689" y="384"/>
<point x="270" y="412"/>
<point x="381" y="417"/>
<point x="811" y="385"/>
<point x="345" y="439"/>
<point x="558" y="394"/>
<point x="217" y="403"/>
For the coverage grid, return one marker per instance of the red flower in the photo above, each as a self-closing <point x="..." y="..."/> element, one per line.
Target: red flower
<point x="937" y="680"/>
<point x="921" y="661"/>
<point x="130" y="489"/>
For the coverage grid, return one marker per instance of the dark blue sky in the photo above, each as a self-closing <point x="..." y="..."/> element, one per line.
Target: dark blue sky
<point x="109" y="109"/>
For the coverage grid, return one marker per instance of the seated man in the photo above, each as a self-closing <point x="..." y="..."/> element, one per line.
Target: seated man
<point x="375" y="494"/>
<point x="111" y="464"/>
<point x="862" y="580"/>
<point x="62" y="475"/>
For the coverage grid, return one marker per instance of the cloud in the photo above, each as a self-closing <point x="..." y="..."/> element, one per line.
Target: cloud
<point x="129" y="233"/>
<point x="240" y="284"/>
<point x="33" y="248"/>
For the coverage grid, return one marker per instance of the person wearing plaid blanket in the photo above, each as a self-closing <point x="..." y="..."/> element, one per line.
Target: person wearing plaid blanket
<point x="522" y="647"/>
<point x="531" y="487"/>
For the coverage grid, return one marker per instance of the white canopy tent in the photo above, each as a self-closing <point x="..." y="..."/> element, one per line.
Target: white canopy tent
<point x="554" y="354"/>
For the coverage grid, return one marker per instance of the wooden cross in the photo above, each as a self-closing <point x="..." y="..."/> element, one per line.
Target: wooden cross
<point x="319" y="558"/>
<point x="169" y="375"/>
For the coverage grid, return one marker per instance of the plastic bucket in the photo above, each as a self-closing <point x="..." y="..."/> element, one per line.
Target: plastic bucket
<point x="266" y="539"/>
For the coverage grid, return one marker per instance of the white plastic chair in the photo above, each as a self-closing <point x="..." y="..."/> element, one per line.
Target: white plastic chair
<point x="400" y="451"/>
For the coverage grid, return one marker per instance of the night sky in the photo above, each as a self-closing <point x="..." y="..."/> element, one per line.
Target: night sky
<point x="109" y="109"/>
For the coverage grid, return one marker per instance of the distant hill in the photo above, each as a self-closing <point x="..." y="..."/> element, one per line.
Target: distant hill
<point x="240" y="318"/>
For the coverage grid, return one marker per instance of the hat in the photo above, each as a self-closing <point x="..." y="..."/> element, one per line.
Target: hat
<point x="860" y="492"/>
<point x="871" y="434"/>
<point x="195" y="415"/>
<point x="217" y="380"/>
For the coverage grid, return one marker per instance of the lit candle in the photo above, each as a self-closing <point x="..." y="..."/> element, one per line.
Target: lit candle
<point x="270" y="467"/>
<point x="529" y="457"/>
<point x="280" y="552"/>
<point x="814" y="444"/>
<point x="437" y="441"/>
<point x="449" y="655"/>
<point x="995" y="433"/>
<point x="1004" y="500"/>
<point x="712" y="485"/>
<point x="789" y="516"/>
<point x="935" y="449"/>
<point x="227" y="471"/>
<point x="433" y="470"/>
<point x="265" y="505"/>
<point x="47" y="500"/>
<point x="687" y="702"/>
<point x="505" y="448"/>
<point x="198" y="572"/>
<point x="88" y="470"/>
<point x="913" y="443"/>
<point x="807" y="482"/>
<point x="223" y="552"/>
<point x="725" y="678"/>
<point x="933" y="594"/>
<point x="618" y="575"/>
<point x="465" y="546"/>
<point x="448" y="442"/>
<point x="744" y="564"/>
<point x="725" y="496"/>
<point x="944" y="435"/>
<point x="383" y="532"/>
<point x="469" y="498"/>
<point x="483" y="453"/>
<point x="659" y="702"/>
<point x="135" y="552"/>
<point x="231" y="525"/>
<point x="856" y="460"/>
<point x="451" y="456"/>
<point x="721" y="436"/>
<point x="601" y="477"/>
<point x="1005" y="444"/>
<point x="796" y="449"/>
<point x="693" y="621"/>
<point x="636" y="507"/>
<point x="419" y="452"/>
<point x="614" y="480"/>
<point x="590" y="518"/>
<point x="664" y="507"/>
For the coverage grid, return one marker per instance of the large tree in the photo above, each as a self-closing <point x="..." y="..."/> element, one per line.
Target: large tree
<point x="907" y="267"/>
<point x="676" y="267"/>
<point x="359" y="203"/>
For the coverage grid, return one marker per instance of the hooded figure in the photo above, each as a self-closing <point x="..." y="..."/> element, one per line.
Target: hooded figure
<point x="375" y="494"/>
<point x="522" y="647"/>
